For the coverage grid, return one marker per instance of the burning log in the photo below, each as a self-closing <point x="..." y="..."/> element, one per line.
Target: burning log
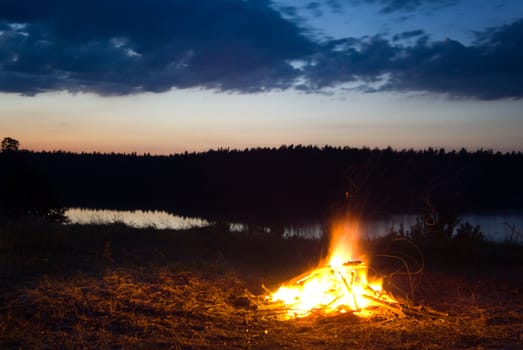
<point x="393" y="307"/>
<point x="333" y="289"/>
<point x="339" y="289"/>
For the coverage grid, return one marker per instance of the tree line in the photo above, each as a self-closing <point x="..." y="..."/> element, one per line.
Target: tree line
<point x="267" y="184"/>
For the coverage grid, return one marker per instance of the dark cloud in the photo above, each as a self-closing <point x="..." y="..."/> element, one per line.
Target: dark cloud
<point x="349" y="60"/>
<point x="335" y="6"/>
<point x="408" y="35"/>
<point x="315" y="8"/>
<point x="313" y="5"/>
<point x="409" y="5"/>
<point x="115" y="47"/>
<point x="289" y="11"/>
<point x="133" y="46"/>
<point x="389" y="6"/>
<point x="488" y="69"/>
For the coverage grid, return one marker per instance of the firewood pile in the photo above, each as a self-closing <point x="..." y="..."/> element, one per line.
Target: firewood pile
<point x="345" y="290"/>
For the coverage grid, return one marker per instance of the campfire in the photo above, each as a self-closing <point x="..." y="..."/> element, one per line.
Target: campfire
<point x="340" y="284"/>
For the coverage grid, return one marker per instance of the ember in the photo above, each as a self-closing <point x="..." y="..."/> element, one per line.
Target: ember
<point x="339" y="286"/>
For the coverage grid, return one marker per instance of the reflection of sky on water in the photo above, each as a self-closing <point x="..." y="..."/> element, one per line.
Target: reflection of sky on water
<point x="310" y="231"/>
<point x="134" y="218"/>
<point x="495" y="226"/>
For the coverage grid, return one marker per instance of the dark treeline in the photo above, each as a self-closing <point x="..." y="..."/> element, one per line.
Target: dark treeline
<point x="276" y="184"/>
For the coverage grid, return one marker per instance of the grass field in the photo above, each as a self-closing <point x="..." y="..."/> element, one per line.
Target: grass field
<point x="114" y="287"/>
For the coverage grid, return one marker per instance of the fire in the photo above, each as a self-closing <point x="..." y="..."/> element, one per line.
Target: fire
<point x="339" y="285"/>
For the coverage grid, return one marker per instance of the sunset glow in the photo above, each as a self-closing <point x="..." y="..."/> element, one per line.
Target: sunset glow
<point x="328" y="72"/>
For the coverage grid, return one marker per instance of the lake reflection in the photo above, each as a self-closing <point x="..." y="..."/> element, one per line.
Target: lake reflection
<point x="134" y="218"/>
<point x="495" y="227"/>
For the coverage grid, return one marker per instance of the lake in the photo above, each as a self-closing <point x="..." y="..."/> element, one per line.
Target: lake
<point x="495" y="226"/>
<point x="134" y="218"/>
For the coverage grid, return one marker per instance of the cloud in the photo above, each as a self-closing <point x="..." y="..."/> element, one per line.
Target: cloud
<point x="408" y="35"/>
<point x="315" y="8"/>
<point x="119" y="47"/>
<point x="335" y="6"/>
<point x="490" y="68"/>
<point x="410" y="5"/>
<point x="349" y="60"/>
<point x="389" y="6"/>
<point x="124" y="47"/>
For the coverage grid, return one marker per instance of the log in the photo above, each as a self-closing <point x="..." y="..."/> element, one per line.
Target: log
<point x="389" y="306"/>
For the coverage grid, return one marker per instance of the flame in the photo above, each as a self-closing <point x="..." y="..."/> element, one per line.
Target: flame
<point x="339" y="285"/>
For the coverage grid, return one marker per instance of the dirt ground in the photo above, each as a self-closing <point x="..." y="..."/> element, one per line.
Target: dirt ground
<point x="187" y="307"/>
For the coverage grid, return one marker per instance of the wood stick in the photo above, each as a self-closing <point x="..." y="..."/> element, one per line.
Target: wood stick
<point x="434" y="312"/>
<point x="300" y="279"/>
<point x="389" y="306"/>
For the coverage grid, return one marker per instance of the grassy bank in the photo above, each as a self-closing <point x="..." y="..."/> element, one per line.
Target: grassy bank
<point x="33" y="248"/>
<point x="111" y="286"/>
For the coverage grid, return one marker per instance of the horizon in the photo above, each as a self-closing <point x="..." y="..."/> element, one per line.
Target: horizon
<point x="170" y="76"/>
<point x="277" y="148"/>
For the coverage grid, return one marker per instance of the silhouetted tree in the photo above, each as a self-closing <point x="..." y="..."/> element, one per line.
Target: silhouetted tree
<point x="25" y="189"/>
<point x="9" y="145"/>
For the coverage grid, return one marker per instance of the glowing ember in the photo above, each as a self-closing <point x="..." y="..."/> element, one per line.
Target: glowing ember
<point x="338" y="286"/>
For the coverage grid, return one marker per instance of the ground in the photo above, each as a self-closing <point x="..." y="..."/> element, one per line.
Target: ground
<point x="93" y="298"/>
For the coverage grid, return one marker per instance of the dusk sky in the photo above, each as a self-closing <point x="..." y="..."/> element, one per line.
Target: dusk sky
<point x="165" y="76"/>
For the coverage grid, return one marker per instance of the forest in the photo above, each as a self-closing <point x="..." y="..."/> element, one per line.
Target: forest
<point x="261" y="185"/>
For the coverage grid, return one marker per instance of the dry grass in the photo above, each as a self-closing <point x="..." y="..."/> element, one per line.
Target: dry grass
<point x="123" y="309"/>
<point x="176" y="309"/>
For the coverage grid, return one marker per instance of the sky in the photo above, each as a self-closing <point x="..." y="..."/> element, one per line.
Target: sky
<point x="168" y="76"/>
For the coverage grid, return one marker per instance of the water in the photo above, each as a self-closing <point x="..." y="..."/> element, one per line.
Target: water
<point x="134" y="218"/>
<point x="495" y="226"/>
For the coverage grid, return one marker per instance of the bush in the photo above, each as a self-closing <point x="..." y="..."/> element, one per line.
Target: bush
<point x="26" y="191"/>
<point x="468" y="234"/>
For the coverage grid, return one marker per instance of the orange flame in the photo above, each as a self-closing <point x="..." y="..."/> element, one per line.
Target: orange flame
<point x="344" y="242"/>
<point x="338" y="285"/>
